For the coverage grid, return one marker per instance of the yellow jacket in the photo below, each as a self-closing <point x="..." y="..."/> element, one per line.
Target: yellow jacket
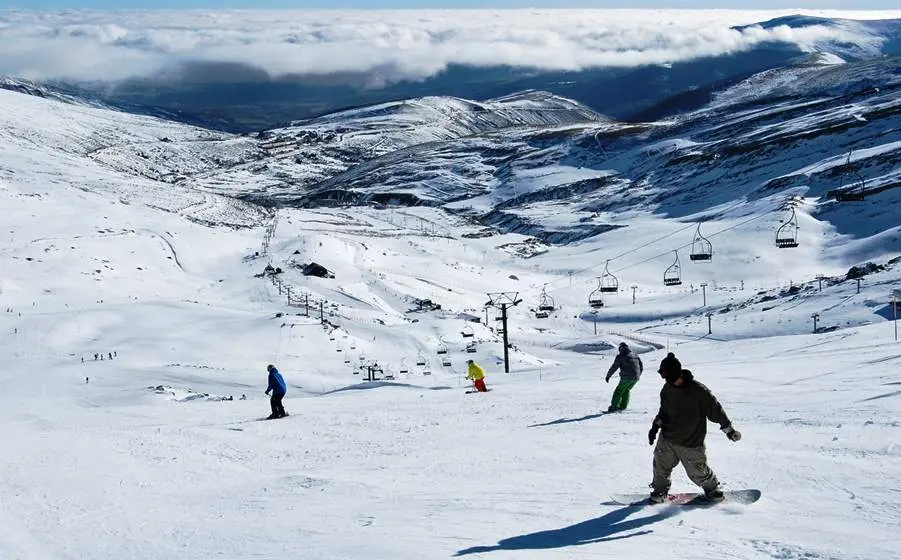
<point x="475" y="372"/>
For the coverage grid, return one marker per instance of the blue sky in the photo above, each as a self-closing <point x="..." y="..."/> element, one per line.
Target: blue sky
<point x="375" y="4"/>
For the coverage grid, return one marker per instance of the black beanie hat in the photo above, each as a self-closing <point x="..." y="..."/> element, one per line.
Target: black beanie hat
<point x="670" y="367"/>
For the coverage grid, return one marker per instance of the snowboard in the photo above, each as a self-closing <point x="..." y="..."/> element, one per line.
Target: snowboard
<point x="267" y="418"/>
<point x="748" y="496"/>
<point x="471" y="391"/>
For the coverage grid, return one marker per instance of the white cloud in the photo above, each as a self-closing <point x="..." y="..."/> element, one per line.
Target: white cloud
<point x="411" y="44"/>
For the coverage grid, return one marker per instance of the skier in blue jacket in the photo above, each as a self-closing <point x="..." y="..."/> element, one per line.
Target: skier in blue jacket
<point x="278" y="389"/>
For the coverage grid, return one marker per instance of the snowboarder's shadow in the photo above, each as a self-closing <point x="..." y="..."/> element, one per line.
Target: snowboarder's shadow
<point x="568" y="420"/>
<point x="600" y="529"/>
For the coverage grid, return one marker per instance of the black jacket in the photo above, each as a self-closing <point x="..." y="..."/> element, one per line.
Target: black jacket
<point x="684" y="412"/>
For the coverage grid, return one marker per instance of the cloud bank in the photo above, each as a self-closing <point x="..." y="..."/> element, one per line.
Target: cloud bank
<point x="394" y="45"/>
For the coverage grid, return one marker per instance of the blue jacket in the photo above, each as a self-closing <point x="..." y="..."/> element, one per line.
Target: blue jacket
<point x="276" y="383"/>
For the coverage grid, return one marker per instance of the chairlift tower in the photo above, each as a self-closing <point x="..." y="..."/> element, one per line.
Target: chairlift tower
<point x="503" y="301"/>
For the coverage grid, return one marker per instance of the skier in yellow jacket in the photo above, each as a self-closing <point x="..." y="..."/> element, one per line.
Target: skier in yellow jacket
<point x="477" y="374"/>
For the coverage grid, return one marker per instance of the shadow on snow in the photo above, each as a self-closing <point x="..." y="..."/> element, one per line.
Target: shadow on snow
<point x="568" y="420"/>
<point x="608" y="527"/>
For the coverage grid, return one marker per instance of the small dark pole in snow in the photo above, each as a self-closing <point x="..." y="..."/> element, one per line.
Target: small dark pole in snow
<point x="820" y="278"/>
<point x="709" y="327"/>
<point x="322" y="312"/>
<point x="895" y="314"/>
<point x="306" y="303"/>
<point x="858" y="285"/>
<point x="816" y="317"/>
<point x="704" y="292"/>
<point x="633" y="294"/>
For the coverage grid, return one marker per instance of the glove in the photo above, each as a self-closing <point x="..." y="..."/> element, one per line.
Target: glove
<point x="732" y="433"/>
<point x="652" y="434"/>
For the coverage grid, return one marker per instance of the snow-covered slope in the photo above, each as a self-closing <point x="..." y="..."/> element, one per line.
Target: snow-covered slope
<point x="156" y="454"/>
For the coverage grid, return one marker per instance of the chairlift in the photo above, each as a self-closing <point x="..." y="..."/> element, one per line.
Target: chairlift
<point x="541" y="314"/>
<point x="609" y="282"/>
<point x="442" y="349"/>
<point x="546" y="302"/>
<point x="446" y="362"/>
<point x="854" y="193"/>
<point x="596" y="298"/>
<point x="420" y="360"/>
<point x="787" y="234"/>
<point x="403" y="367"/>
<point x="672" y="276"/>
<point x="468" y="332"/>
<point x="701" y="248"/>
<point x="471" y="348"/>
<point x="347" y="360"/>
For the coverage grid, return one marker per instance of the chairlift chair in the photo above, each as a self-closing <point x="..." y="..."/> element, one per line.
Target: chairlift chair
<point x="541" y="314"/>
<point x="468" y="332"/>
<point x="420" y="360"/>
<point x="854" y="193"/>
<point x="442" y="349"/>
<point x="471" y="348"/>
<point x="672" y="276"/>
<point x="546" y="302"/>
<point x="701" y="248"/>
<point x="787" y="234"/>
<point x="609" y="282"/>
<point x="596" y="298"/>
<point x="403" y="367"/>
<point x="446" y="362"/>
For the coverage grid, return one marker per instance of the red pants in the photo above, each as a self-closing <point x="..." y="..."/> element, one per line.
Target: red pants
<point x="480" y="385"/>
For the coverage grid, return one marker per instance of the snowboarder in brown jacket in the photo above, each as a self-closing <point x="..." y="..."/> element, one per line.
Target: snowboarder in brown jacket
<point x="685" y="407"/>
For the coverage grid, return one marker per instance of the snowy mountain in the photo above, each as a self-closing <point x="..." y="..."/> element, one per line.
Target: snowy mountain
<point x="145" y="242"/>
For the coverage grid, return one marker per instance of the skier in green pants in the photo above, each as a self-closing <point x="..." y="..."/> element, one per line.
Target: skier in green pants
<point x="630" y="368"/>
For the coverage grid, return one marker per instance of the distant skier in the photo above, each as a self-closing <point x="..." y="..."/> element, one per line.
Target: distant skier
<point x="477" y="375"/>
<point x="685" y="407"/>
<point x="630" y="369"/>
<point x="278" y="389"/>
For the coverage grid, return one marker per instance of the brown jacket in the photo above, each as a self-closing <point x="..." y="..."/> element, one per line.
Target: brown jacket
<point x="684" y="412"/>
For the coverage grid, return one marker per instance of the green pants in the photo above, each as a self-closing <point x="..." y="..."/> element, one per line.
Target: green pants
<point x="621" y="393"/>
